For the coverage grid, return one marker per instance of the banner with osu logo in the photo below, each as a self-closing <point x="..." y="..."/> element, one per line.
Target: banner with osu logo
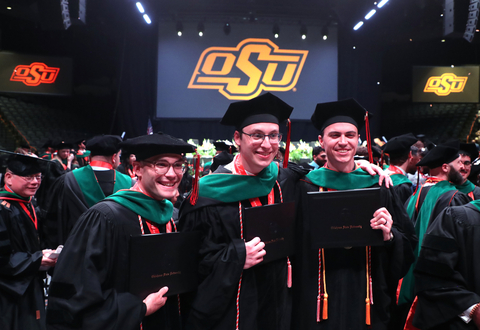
<point x="35" y="74"/>
<point x="198" y="77"/>
<point x="459" y="84"/>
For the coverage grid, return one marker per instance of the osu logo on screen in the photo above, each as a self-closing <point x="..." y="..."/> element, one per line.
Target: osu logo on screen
<point x="445" y="84"/>
<point x="35" y="74"/>
<point x="243" y="72"/>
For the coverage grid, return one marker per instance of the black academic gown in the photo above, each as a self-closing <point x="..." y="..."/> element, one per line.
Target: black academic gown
<point x="22" y="303"/>
<point x="265" y="300"/>
<point x="66" y="203"/>
<point x="90" y="286"/>
<point x="403" y="192"/>
<point x="345" y="270"/>
<point x="448" y="270"/>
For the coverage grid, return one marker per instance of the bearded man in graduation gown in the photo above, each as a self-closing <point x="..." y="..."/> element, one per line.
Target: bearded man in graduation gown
<point x="463" y="164"/>
<point x="439" y="191"/>
<point x="351" y="287"/>
<point x="22" y="302"/>
<point x="75" y="192"/>
<point x="447" y="272"/>
<point x="404" y="153"/>
<point x="89" y="289"/>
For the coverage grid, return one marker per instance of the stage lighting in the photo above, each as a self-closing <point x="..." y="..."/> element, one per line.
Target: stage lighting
<point x="358" y="26"/>
<point x="179" y="29"/>
<point x="382" y="3"/>
<point x="201" y="29"/>
<point x="147" y="19"/>
<point x="370" y="14"/>
<point x="276" y="31"/>
<point x="140" y="8"/>
<point x="227" y="28"/>
<point x="325" y="32"/>
<point x="303" y="32"/>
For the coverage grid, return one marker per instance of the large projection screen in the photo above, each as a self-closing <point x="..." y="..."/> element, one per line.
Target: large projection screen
<point x="198" y="77"/>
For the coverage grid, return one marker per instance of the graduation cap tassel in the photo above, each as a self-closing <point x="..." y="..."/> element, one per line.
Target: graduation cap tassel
<point x="367" y="300"/>
<point x="318" y="309"/>
<point x="369" y="141"/>
<point x="194" y="193"/>
<point x="325" y="294"/>
<point x="289" y="269"/>
<point x="287" y="148"/>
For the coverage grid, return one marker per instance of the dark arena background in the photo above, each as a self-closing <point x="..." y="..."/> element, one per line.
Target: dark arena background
<point x="74" y="68"/>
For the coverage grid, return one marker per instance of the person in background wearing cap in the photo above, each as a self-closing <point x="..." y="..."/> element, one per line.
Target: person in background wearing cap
<point x="89" y="286"/>
<point x="351" y="287"/>
<point x="49" y="150"/>
<point x="447" y="274"/>
<point x="83" y="155"/>
<point x="64" y="157"/>
<point x="225" y="151"/>
<point x="404" y="154"/>
<point x="22" y="303"/>
<point x="438" y="192"/>
<point x="236" y="292"/>
<point x="467" y="154"/>
<point x="75" y="192"/>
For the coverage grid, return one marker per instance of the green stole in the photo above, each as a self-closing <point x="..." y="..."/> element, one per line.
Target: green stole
<point x="476" y="203"/>
<point x="357" y="179"/>
<point x="399" y="179"/>
<point x="156" y="211"/>
<point x="407" y="291"/>
<point x="466" y="188"/>
<point x="91" y="189"/>
<point x="11" y="195"/>
<point x="229" y="188"/>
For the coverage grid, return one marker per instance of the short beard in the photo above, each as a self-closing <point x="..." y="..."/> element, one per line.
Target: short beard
<point x="454" y="176"/>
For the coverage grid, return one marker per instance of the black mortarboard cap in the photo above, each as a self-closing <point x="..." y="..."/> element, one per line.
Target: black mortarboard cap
<point x="441" y="154"/>
<point x="345" y="111"/>
<point x="47" y="144"/>
<point x="471" y="149"/>
<point x="147" y="146"/>
<point x="221" y="159"/>
<point x="224" y="146"/>
<point x="24" y="165"/>
<point x="63" y="145"/>
<point x="104" y="145"/>
<point x="266" y="108"/>
<point x="400" y="145"/>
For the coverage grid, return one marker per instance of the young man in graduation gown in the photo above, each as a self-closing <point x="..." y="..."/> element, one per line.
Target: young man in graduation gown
<point x="225" y="151"/>
<point x="463" y="164"/>
<point x="438" y="192"/>
<point x="403" y="159"/>
<point x="76" y="191"/>
<point x="235" y="291"/>
<point x="448" y="271"/>
<point x="22" y="303"/>
<point x="89" y="289"/>
<point x="351" y="287"/>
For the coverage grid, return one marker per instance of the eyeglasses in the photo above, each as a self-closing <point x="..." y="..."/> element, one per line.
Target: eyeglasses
<point x="465" y="163"/>
<point x="30" y="178"/>
<point x="162" y="167"/>
<point x="258" y="137"/>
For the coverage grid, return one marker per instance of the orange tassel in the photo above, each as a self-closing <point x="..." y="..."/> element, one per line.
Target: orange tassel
<point x="367" y="312"/>
<point x="289" y="278"/>
<point x="325" y="307"/>
<point x="318" y="309"/>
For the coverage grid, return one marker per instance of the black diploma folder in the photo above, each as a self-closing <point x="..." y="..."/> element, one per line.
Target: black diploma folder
<point x="275" y="225"/>
<point x="158" y="260"/>
<point x="342" y="218"/>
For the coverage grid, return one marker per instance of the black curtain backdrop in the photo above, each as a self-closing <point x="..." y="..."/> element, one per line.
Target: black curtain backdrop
<point x="359" y="71"/>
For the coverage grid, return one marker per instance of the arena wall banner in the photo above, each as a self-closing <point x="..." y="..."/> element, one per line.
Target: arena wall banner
<point x="198" y="77"/>
<point x="459" y="84"/>
<point x="35" y="74"/>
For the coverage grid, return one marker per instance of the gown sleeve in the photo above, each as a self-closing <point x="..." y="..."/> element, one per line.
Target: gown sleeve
<point x="446" y="274"/>
<point x="82" y="292"/>
<point x="222" y="257"/>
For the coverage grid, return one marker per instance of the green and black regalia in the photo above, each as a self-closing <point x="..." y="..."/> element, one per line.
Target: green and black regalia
<point x="22" y="303"/>
<point x="74" y="193"/>
<point x="342" y="272"/>
<point x="264" y="300"/>
<point x="89" y="289"/>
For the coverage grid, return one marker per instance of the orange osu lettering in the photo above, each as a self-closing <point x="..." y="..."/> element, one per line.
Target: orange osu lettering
<point x="35" y="74"/>
<point x="445" y="84"/>
<point x="243" y="72"/>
